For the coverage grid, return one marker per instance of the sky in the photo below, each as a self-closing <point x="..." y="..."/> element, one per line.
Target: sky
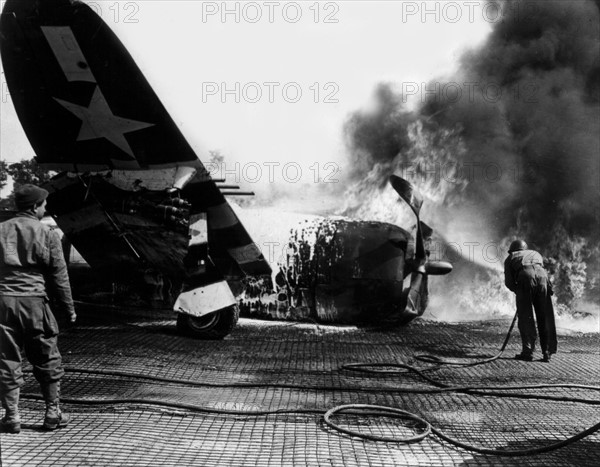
<point x="270" y="84"/>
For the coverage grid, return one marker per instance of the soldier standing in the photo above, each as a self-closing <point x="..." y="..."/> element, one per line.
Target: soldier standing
<point x="524" y="274"/>
<point x="32" y="266"/>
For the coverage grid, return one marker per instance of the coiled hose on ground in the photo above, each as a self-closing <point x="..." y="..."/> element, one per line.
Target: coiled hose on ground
<point x="427" y="428"/>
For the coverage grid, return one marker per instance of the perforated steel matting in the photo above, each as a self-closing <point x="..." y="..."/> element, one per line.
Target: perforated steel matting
<point x="266" y="366"/>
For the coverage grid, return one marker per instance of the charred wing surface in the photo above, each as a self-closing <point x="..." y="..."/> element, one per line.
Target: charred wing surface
<point x="337" y="271"/>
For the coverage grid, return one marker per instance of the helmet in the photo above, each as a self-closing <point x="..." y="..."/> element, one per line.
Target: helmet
<point x="517" y="245"/>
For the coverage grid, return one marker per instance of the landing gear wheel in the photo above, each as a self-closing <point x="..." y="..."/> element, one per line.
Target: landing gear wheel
<point x="212" y="326"/>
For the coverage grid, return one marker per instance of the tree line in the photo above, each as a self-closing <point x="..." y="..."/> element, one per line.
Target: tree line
<point x="21" y="173"/>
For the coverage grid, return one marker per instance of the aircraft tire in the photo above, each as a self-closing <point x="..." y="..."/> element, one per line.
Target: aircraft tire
<point x="212" y="326"/>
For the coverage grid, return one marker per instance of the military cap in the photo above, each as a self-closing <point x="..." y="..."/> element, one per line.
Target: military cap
<point x="28" y="196"/>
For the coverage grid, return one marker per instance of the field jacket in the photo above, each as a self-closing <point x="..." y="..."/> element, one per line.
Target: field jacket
<point x="517" y="261"/>
<point x="32" y="263"/>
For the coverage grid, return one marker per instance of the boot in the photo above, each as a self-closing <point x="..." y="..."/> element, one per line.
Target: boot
<point x="545" y="357"/>
<point x="54" y="417"/>
<point x="524" y="356"/>
<point x="11" y="422"/>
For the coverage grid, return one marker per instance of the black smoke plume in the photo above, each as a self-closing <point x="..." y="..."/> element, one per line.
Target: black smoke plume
<point x="509" y="146"/>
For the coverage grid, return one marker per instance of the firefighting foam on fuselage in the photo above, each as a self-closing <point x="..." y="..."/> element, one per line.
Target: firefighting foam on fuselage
<point x="340" y="270"/>
<point x="139" y="206"/>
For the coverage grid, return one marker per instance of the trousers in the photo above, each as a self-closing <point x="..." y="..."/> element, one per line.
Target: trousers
<point x="533" y="296"/>
<point x="28" y="323"/>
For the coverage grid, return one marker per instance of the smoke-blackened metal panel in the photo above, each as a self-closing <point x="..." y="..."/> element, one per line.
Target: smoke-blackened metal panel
<point x="87" y="226"/>
<point x="161" y="248"/>
<point x="121" y="234"/>
<point x="360" y="268"/>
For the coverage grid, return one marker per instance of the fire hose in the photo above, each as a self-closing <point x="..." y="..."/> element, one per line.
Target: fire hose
<point x="426" y="428"/>
<point x="364" y="367"/>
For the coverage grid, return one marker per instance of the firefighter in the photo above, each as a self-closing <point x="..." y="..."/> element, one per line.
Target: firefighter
<point x="524" y="274"/>
<point x="32" y="268"/>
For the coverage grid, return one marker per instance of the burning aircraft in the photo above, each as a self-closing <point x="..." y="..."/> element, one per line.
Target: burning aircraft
<point x="139" y="206"/>
<point x="341" y="270"/>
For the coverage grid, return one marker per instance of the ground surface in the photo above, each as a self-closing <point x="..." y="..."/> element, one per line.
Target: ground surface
<point x="265" y="366"/>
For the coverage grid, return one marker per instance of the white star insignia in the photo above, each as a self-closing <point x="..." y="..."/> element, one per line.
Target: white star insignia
<point x="98" y="121"/>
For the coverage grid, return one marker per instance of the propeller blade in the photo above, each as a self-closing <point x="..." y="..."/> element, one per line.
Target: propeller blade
<point x="426" y="230"/>
<point x="408" y="193"/>
<point x="414" y="200"/>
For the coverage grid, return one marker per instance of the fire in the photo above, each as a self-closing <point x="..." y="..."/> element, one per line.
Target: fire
<point x="535" y="144"/>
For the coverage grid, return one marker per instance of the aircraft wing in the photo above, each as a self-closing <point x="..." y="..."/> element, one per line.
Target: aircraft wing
<point x="83" y="102"/>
